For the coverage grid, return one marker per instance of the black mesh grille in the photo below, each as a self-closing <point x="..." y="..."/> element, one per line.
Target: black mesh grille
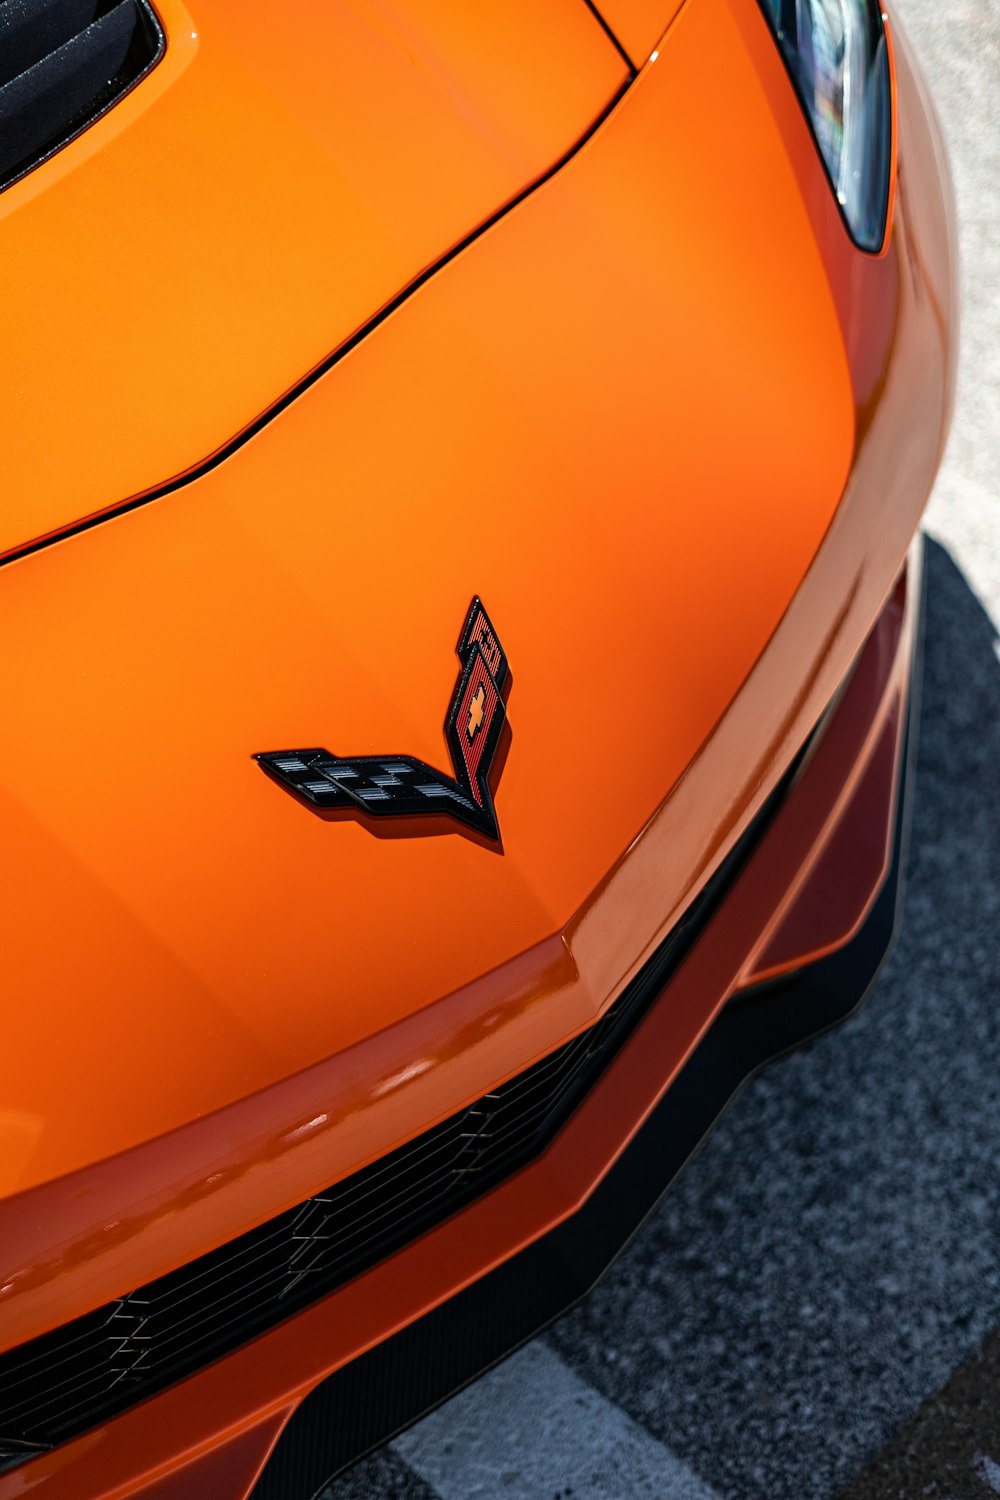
<point x="87" y="1371"/>
<point x="63" y="63"/>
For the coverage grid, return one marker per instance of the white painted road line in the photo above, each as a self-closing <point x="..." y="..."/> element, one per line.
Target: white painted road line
<point x="989" y="1472"/>
<point x="532" y="1428"/>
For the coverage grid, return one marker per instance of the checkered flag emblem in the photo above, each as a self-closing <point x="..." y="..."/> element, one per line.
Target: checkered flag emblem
<point x="400" y="786"/>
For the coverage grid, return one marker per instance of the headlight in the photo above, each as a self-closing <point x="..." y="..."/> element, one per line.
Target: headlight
<point x="837" y="54"/>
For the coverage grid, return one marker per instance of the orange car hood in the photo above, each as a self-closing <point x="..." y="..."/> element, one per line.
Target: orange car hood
<point x="276" y="180"/>
<point x="624" y="417"/>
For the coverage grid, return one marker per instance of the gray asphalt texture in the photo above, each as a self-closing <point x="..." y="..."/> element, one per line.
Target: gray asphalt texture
<point x="832" y="1256"/>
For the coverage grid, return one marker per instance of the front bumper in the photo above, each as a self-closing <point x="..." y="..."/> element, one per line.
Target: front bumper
<point x="280" y="1415"/>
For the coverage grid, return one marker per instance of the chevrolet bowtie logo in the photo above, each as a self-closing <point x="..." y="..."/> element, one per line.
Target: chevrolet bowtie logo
<point x="476" y="713"/>
<point x="401" y="786"/>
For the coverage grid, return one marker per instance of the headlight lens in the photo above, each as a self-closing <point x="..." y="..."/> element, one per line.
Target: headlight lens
<point x="837" y="54"/>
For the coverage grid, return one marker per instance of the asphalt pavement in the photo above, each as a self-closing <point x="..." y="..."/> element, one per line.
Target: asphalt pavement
<point x="813" y="1310"/>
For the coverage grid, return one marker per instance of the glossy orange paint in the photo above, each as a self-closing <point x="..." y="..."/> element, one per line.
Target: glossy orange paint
<point x="639" y="25"/>
<point x="607" y="321"/>
<point x="210" y="1435"/>
<point x="313" y="994"/>
<point x="278" y="178"/>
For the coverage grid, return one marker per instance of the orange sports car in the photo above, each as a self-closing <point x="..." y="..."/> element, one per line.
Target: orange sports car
<point x="461" y="621"/>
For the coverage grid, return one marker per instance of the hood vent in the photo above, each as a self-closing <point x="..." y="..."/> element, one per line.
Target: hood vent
<point x="62" y="64"/>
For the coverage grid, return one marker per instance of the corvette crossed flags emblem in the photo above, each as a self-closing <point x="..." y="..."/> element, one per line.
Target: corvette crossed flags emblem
<point x="400" y="786"/>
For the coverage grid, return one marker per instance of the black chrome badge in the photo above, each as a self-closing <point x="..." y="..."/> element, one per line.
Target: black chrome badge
<point x="399" y="786"/>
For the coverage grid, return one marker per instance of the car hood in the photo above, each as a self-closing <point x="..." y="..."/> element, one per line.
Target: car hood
<point x="624" y="418"/>
<point x="276" y="180"/>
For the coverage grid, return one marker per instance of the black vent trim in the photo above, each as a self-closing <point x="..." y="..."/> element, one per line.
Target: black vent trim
<point x="84" y="1373"/>
<point x="63" y="63"/>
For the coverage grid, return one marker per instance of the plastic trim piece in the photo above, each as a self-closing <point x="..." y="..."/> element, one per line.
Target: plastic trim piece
<point x="69" y="74"/>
